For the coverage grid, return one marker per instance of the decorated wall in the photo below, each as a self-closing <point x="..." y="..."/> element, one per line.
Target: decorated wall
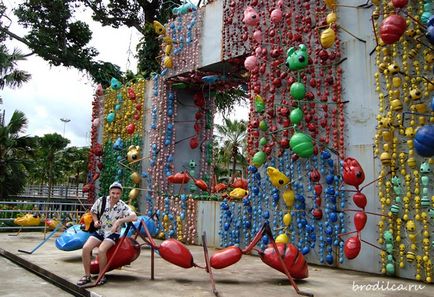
<point x="340" y="137"/>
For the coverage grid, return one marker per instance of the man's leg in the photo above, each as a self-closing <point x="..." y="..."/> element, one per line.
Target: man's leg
<point x="102" y="254"/>
<point x="90" y="244"/>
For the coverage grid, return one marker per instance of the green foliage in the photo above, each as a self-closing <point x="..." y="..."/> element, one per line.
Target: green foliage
<point x="231" y="137"/>
<point x="226" y="101"/>
<point x="10" y="76"/>
<point x="147" y="51"/>
<point x="15" y="153"/>
<point x="49" y="165"/>
<point x="56" y="36"/>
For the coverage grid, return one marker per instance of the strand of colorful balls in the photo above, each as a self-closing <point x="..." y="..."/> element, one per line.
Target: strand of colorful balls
<point x="404" y="141"/>
<point x="94" y="164"/>
<point x="122" y="139"/>
<point x="290" y="132"/>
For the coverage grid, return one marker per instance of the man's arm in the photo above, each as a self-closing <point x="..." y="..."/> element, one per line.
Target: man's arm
<point x="130" y="218"/>
<point x="119" y="222"/>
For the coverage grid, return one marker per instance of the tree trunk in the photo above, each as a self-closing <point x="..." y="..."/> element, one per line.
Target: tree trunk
<point x="234" y="164"/>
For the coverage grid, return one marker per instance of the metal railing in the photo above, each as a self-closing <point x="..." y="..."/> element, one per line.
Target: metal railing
<point x="65" y="192"/>
<point x="61" y="202"/>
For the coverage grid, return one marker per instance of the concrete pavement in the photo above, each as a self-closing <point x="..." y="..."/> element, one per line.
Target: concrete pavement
<point x="248" y="278"/>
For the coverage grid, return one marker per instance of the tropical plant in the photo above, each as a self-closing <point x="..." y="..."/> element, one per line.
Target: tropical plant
<point x="49" y="159"/>
<point x="231" y="136"/>
<point x="15" y="153"/>
<point x="58" y="36"/>
<point x="10" y="76"/>
<point x="76" y="160"/>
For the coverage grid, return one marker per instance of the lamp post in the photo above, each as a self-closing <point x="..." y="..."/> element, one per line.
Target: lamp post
<point x="64" y="124"/>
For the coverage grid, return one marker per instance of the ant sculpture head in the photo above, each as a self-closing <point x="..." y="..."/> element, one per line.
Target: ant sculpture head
<point x="297" y="59"/>
<point x="353" y="173"/>
<point x="425" y="168"/>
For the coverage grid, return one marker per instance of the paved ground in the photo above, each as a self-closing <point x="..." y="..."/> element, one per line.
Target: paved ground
<point x="248" y="278"/>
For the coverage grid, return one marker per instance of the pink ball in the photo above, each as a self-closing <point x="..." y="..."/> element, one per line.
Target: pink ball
<point x="257" y="35"/>
<point x="251" y="63"/>
<point x="276" y="15"/>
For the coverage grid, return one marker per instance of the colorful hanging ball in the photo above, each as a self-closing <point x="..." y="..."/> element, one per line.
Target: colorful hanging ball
<point x="392" y="28"/>
<point x="130" y="128"/>
<point x="115" y="84"/>
<point x="110" y="117"/>
<point x="424" y="141"/>
<point x="302" y="145"/>
<point x="296" y="116"/>
<point x="259" y="158"/>
<point x="430" y="30"/>
<point x="251" y="63"/>
<point x="327" y="38"/>
<point x="399" y="3"/>
<point x="352" y="247"/>
<point x="297" y="90"/>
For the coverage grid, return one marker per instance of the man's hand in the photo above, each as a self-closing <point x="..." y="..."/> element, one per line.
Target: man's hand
<point x="115" y="226"/>
<point x="97" y="224"/>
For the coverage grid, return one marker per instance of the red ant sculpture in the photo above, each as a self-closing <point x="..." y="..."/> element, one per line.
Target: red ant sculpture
<point x="283" y="257"/>
<point x="354" y="175"/>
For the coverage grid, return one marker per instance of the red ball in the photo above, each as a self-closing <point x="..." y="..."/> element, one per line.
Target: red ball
<point x="399" y="3"/>
<point x="360" y="219"/>
<point x="392" y="28"/>
<point x="131" y="128"/>
<point x="352" y="247"/>
<point x="360" y="200"/>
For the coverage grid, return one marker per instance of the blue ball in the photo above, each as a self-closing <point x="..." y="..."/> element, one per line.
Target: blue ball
<point x="330" y="179"/>
<point x="325" y="155"/>
<point x="329" y="259"/>
<point x="252" y="169"/>
<point x="305" y="250"/>
<point x="265" y="240"/>
<point x="266" y="214"/>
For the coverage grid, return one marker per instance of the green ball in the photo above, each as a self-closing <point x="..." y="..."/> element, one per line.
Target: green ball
<point x="263" y="125"/>
<point x="301" y="144"/>
<point x="297" y="90"/>
<point x="296" y="116"/>
<point x="263" y="141"/>
<point x="425" y="17"/>
<point x="259" y="159"/>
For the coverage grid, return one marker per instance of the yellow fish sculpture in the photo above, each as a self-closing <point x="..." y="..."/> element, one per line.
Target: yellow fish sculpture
<point x="238" y="193"/>
<point x="277" y="178"/>
<point x="28" y="220"/>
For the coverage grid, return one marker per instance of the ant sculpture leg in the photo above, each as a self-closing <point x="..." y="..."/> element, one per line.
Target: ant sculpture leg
<point x="177" y="253"/>
<point x="272" y="256"/>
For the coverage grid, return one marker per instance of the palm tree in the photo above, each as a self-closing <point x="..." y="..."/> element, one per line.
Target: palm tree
<point x="9" y="75"/>
<point x="15" y="151"/>
<point x="50" y="151"/>
<point x="232" y="135"/>
<point x="76" y="160"/>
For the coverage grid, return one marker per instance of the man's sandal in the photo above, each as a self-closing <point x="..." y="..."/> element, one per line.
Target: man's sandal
<point x="84" y="280"/>
<point x="102" y="281"/>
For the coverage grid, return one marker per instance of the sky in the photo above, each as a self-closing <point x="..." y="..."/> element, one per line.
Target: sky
<point x="59" y="92"/>
<point x="55" y="93"/>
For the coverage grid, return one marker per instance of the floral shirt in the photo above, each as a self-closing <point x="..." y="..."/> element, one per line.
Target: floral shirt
<point x="110" y="215"/>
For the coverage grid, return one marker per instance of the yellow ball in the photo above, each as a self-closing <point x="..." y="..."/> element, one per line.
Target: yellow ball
<point x="282" y="238"/>
<point x="287" y="219"/>
<point x="288" y="197"/>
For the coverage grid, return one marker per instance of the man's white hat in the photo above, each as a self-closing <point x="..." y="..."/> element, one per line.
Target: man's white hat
<point x="116" y="185"/>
